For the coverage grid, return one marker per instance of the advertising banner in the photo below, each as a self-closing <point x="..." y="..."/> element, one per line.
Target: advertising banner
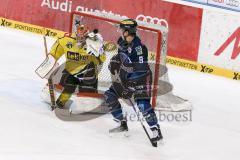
<point x="226" y="4"/>
<point x="198" y="1"/>
<point x="55" y="14"/>
<point x="231" y="4"/>
<point x="220" y="38"/>
<point x="30" y="28"/>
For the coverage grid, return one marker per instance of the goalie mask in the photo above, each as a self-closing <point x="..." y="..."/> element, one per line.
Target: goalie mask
<point x="81" y="34"/>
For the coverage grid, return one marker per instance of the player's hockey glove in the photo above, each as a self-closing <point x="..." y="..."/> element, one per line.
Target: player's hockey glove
<point x="122" y="91"/>
<point x="114" y="65"/>
<point x="127" y="93"/>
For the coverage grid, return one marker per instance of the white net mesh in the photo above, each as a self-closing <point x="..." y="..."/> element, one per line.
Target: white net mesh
<point x="153" y="34"/>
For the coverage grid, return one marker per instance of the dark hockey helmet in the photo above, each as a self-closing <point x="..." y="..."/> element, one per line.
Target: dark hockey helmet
<point x="129" y="25"/>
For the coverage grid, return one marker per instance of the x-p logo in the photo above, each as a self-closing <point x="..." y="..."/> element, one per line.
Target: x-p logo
<point x="5" y="23"/>
<point x="236" y="76"/>
<point x="50" y="33"/>
<point x="206" y="69"/>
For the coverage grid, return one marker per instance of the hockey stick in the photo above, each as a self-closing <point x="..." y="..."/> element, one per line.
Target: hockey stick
<point x="50" y="81"/>
<point x="154" y="144"/>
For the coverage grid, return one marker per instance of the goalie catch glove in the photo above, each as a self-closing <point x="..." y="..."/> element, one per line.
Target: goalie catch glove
<point x="94" y="44"/>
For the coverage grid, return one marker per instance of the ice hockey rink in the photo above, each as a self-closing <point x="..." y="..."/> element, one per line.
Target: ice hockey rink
<point x="29" y="130"/>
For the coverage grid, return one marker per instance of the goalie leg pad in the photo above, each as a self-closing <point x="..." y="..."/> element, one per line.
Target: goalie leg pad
<point x="69" y="84"/>
<point x="63" y="99"/>
<point x="111" y="100"/>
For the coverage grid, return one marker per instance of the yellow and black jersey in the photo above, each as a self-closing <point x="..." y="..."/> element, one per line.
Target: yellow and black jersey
<point x="76" y="57"/>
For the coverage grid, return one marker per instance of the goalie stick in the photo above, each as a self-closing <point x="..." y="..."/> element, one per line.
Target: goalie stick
<point x="50" y="81"/>
<point x="154" y="144"/>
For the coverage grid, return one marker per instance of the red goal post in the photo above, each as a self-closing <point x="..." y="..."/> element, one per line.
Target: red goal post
<point x="155" y="33"/>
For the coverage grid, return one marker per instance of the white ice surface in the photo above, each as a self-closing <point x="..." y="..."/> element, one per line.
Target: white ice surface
<point x="28" y="130"/>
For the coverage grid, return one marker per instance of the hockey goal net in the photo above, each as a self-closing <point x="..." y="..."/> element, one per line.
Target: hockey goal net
<point x="153" y="35"/>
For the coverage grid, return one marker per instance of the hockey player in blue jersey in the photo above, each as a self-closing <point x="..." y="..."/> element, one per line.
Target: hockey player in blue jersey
<point x="131" y="77"/>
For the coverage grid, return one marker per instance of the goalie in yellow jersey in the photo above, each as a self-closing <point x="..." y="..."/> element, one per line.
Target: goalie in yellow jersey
<point x="84" y="54"/>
